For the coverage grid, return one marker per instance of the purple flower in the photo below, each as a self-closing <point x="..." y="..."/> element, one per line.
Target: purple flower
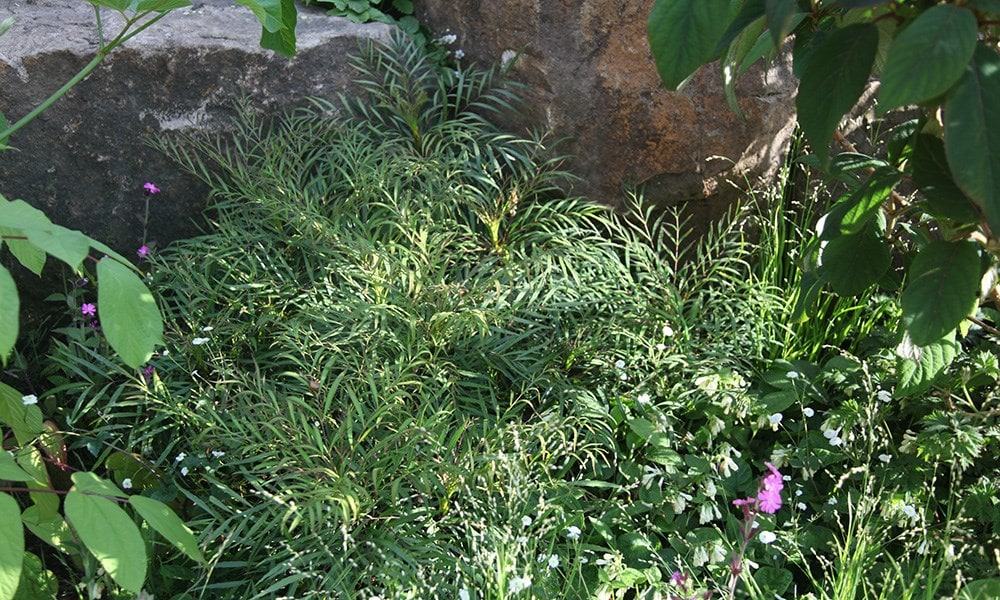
<point x="147" y="373"/>
<point x="143" y="251"/>
<point x="150" y="188"/>
<point x="89" y="309"/>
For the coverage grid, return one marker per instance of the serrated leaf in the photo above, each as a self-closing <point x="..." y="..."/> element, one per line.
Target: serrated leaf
<point x="918" y="366"/>
<point x="943" y="289"/>
<point x="837" y="74"/>
<point x="972" y="133"/>
<point x="10" y="471"/>
<point x="159" y="516"/>
<point x="928" y="57"/>
<point x="281" y="40"/>
<point x="933" y="176"/>
<point x="853" y="263"/>
<point x="865" y="202"/>
<point x="10" y="314"/>
<point x="109" y="534"/>
<point x="11" y="546"/>
<point x="683" y="35"/>
<point x="129" y="316"/>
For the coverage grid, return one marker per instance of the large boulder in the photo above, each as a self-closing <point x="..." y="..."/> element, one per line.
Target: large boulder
<point x="84" y="161"/>
<point x="590" y="78"/>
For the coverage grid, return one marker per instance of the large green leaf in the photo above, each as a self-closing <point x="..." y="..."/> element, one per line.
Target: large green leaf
<point x="110" y="535"/>
<point x="779" y="19"/>
<point x="26" y="253"/>
<point x="853" y="263"/>
<point x="917" y="366"/>
<point x="18" y="214"/>
<point x="9" y="470"/>
<point x="129" y="316"/>
<point x="24" y="420"/>
<point x="928" y="57"/>
<point x="37" y="582"/>
<point x="68" y="245"/>
<point x="972" y="133"/>
<point x="943" y="289"/>
<point x="159" y="516"/>
<point x="86" y="481"/>
<point x="933" y="176"/>
<point x="837" y="74"/>
<point x="750" y="12"/>
<point x="733" y="59"/>
<point x="11" y="546"/>
<point x="683" y="35"/>
<point x="10" y="311"/>
<point x="277" y="19"/>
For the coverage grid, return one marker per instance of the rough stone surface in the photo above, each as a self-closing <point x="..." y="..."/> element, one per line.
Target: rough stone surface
<point x="590" y="77"/>
<point x="84" y="161"/>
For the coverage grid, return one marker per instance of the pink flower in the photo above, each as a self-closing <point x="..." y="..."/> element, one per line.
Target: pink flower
<point x="150" y="188"/>
<point x="769" y="501"/>
<point x="143" y="251"/>
<point x="89" y="309"/>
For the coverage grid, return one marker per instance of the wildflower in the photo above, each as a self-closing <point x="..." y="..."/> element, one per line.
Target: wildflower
<point x="707" y="512"/>
<point x="884" y="396"/>
<point x="619" y="364"/>
<point x="801" y="506"/>
<point x="150" y="188"/>
<point x="910" y="511"/>
<point x="832" y="501"/>
<point x="29" y="399"/>
<point x="450" y="38"/>
<point x="668" y="331"/>
<point x="522" y="539"/>
<point x="830" y="433"/>
<point x="661" y="347"/>
<point x="198" y="341"/>
<point x="89" y="309"/>
<point x="679" y="579"/>
<point x="143" y="251"/>
<point x="767" y="537"/>
<point x="463" y="594"/>
<point x="623" y="377"/>
<point x="218" y="454"/>
<point x="643" y="399"/>
<point x="775" y="420"/>
<point x="526" y="521"/>
<point x="885" y="458"/>
<point x="792" y="375"/>
<point x="127" y="483"/>
<point x="181" y="456"/>
<point x="808" y="412"/>
<point x="584" y="560"/>
<point x="553" y="561"/>
<point x="700" y="556"/>
<point x="207" y="328"/>
<point x="518" y="584"/>
<point x="459" y="54"/>
<point x="573" y="532"/>
<point x="836" y="440"/>
<point x="184" y="471"/>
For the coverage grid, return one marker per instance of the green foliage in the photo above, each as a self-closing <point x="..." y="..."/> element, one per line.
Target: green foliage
<point x="941" y="57"/>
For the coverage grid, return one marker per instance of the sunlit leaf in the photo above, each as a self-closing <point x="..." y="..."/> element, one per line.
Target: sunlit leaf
<point x="160" y="517"/>
<point x="129" y="316"/>
<point x="918" y="366"/>
<point x="11" y="546"/>
<point x="683" y="35"/>
<point x="110" y="535"/>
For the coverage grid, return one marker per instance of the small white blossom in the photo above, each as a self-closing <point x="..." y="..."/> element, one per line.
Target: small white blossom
<point x="554" y="562"/>
<point x="808" y="412"/>
<point x="573" y="532"/>
<point x="767" y="537"/>
<point x="885" y="458"/>
<point x="700" y="556"/>
<point x="832" y="501"/>
<point x="801" y="506"/>
<point x="207" y="328"/>
<point x="910" y="511"/>
<point x="775" y="420"/>
<point x="661" y="347"/>
<point x="463" y="594"/>
<point x="522" y="539"/>
<point x="198" y="341"/>
<point x="619" y="364"/>
<point x="127" y="483"/>
<point x="643" y="399"/>
<point x="181" y="456"/>
<point x="792" y="374"/>
<point x="623" y="377"/>
<point x="518" y="584"/>
<point x="526" y="521"/>
<point x="184" y="471"/>
<point x="459" y="54"/>
<point x="450" y="38"/>
<point x="830" y="433"/>
<point x="884" y="396"/>
<point x="29" y="399"/>
<point x="668" y="331"/>
<point x="218" y="454"/>
<point x="836" y="440"/>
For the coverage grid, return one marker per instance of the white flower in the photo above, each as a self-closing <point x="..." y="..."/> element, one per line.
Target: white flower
<point x="832" y="501"/>
<point x="775" y="419"/>
<point x="554" y="562"/>
<point x="573" y="532"/>
<point x="668" y="331"/>
<point x="623" y="377"/>
<point x="836" y="440"/>
<point x="522" y="539"/>
<point x="801" y="506"/>
<point x="463" y="594"/>
<point x="710" y="489"/>
<point x="885" y="458"/>
<point x="165" y="352"/>
<point x="909" y="511"/>
<point x="661" y="347"/>
<point x="198" y="341"/>
<point x="127" y="483"/>
<point x="808" y="412"/>
<point x="792" y="374"/>
<point x="767" y="537"/>
<point x="218" y="454"/>
<point x="184" y="471"/>
<point x="830" y="433"/>
<point x="29" y="399"/>
<point x="884" y="396"/>
<point x="181" y="456"/>
<point x="448" y="39"/>
<point x="526" y="521"/>
<point x="459" y="54"/>
<point x="700" y="556"/>
<point x="584" y="560"/>
<point x="207" y="328"/>
<point x="518" y="584"/>
<point x="619" y="364"/>
<point x="643" y="399"/>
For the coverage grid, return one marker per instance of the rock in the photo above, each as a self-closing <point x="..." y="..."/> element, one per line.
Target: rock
<point x="590" y="77"/>
<point x="84" y="160"/>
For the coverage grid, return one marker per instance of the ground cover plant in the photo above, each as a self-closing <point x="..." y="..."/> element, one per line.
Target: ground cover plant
<point x="402" y="363"/>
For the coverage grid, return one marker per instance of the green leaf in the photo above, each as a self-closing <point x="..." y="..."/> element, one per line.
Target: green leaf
<point x="642" y="428"/>
<point x="37" y="582"/>
<point x="159" y="6"/>
<point x="943" y="289"/>
<point x="26" y="253"/>
<point x="129" y="316"/>
<point x="779" y="19"/>
<point x="918" y="366"/>
<point x="119" y="5"/>
<point x="52" y="530"/>
<point x="11" y="546"/>
<point x="972" y="133"/>
<point x="837" y="74"/>
<point x="864" y="203"/>
<point x="18" y="214"/>
<point x="159" y="516"/>
<point x="683" y="35"/>
<point x="981" y="589"/>
<point x="110" y="535"/>
<point x="772" y="580"/>
<point x="85" y="481"/>
<point x="733" y="59"/>
<point x="68" y="245"/>
<point x="4" y="26"/>
<point x="278" y="18"/>
<point x="990" y="7"/>
<point x="10" y="471"/>
<point x="751" y="12"/>
<point x="853" y="263"/>
<point x="25" y="421"/>
<point x="10" y="314"/>
<point x="933" y="176"/>
<point x="928" y="57"/>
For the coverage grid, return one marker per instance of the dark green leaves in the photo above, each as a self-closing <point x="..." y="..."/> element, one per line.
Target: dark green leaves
<point x="837" y="74"/>
<point x="943" y="289"/>
<point x="972" y="133"/>
<point x="277" y="17"/>
<point x="928" y="57"/>
<point x="683" y="35"/>
<point x="918" y="366"/>
<point x="853" y="263"/>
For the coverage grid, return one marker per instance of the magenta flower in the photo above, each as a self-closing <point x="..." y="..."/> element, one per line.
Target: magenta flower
<point x="143" y="251"/>
<point x="150" y="188"/>
<point x="89" y="309"/>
